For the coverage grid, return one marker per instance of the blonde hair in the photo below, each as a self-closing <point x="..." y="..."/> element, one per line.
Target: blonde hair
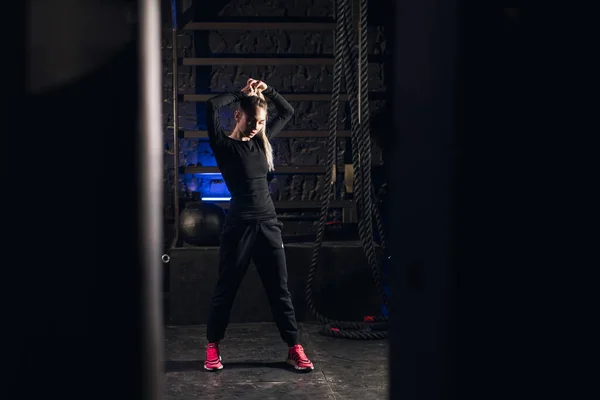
<point x="262" y="136"/>
<point x="247" y="104"/>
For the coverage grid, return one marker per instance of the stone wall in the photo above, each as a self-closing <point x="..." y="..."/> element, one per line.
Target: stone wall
<point x="286" y="79"/>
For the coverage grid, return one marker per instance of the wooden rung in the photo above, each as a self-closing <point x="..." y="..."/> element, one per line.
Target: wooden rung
<point x="209" y="61"/>
<point x="249" y="26"/>
<point x="306" y="169"/>
<point x="282" y="134"/>
<point x="288" y="97"/>
<point x="300" y="204"/>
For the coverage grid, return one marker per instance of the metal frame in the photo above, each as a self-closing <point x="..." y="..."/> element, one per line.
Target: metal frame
<point x="149" y="177"/>
<point x="175" y="125"/>
<point x="263" y="25"/>
<point x="283" y="134"/>
<point x="267" y="60"/>
<point x="185" y="22"/>
<point x="281" y="170"/>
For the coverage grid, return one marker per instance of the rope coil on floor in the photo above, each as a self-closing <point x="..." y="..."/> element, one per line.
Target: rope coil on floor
<point x="345" y="55"/>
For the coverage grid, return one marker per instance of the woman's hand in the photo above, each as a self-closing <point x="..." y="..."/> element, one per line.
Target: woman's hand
<point x="254" y="87"/>
<point x="249" y="91"/>
<point x="260" y="86"/>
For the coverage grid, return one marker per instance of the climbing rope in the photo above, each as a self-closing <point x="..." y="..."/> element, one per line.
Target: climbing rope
<point x="345" y="55"/>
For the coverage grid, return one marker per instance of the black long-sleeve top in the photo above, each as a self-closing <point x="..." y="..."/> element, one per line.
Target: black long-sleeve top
<point x="243" y="164"/>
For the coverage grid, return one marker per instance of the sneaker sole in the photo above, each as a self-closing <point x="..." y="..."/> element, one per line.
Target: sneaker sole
<point x="297" y="368"/>
<point x="214" y="369"/>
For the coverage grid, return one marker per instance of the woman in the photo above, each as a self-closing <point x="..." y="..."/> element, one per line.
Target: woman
<point x="251" y="229"/>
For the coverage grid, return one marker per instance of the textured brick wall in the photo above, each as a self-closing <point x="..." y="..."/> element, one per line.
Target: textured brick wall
<point x="300" y="79"/>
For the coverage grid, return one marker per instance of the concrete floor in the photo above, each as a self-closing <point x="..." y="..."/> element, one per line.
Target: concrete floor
<point x="253" y="356"/>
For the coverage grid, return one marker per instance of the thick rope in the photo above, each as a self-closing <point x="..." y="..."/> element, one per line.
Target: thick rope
<point x="363" y="141"/>
<point x="362" y="154"/>
<point x="345" y="56"/>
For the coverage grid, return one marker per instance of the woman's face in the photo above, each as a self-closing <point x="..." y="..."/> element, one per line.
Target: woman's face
<point x="249" y="124"/>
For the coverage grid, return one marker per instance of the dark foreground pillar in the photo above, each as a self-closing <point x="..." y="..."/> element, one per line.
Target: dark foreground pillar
<point x="471" y="237"/>
<point x="423" y="188"/>
<point x="84" y="210"/>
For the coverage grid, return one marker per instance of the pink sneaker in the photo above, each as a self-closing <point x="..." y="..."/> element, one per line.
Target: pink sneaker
<point x="213" y="357"/>
<point x="298" y="359"/>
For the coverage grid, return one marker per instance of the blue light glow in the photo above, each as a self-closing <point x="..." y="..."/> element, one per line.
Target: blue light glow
<point x="216" y="198"/>
<point x="207" y="184"/>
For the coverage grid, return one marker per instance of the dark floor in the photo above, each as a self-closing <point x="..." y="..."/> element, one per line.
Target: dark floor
<point x="253" y="356"/>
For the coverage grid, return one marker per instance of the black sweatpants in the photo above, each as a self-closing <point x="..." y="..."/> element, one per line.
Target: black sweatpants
<point x="261" y="242"/>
